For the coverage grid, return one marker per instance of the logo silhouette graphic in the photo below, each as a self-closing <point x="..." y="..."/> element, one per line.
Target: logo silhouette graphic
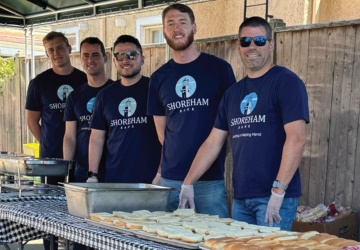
<point x="90" y="105"/>
<point x="127" y="107"/>
<point x="248" y="104"/>
<point x="64" y="91"/>
<point x="185" y="86"/>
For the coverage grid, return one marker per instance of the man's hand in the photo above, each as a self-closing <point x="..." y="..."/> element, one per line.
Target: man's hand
<point x="273" y="209"/>
<point x="92" y="179"/>
<point x="156" y="180"/>
<point x="186" y="197"/>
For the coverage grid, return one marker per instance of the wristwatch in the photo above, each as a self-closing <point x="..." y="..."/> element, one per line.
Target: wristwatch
<point x="91" y="174"/>
<point x="277" y="184"/>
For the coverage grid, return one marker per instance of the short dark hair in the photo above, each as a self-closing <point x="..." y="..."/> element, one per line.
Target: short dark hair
<point x="256" y="21"/>
<point x="94" y="40"/>
<point x="180" y="7"/>
<point x="128" y="39"/>
<point x="54" y="34"/>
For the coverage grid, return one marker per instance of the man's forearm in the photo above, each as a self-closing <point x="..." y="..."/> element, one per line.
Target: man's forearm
<point x="292" y="153"/>
<point x="206" y="155"/>
<point x="69" y="148"/>
<point x="95" y="153"/>
<point x="36" y="131"/>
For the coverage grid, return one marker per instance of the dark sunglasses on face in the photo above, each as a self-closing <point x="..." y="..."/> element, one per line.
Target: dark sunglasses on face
<point x="130" y="55"/>
<point x="258" y="40"/>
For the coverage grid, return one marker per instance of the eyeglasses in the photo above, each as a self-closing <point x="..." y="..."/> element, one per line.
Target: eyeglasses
<point x="130" y="55"/>
<point x="258" y="40"/>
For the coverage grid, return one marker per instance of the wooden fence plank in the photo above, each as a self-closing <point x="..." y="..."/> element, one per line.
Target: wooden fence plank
<point x="355" y="80"/>
<point x="345" y="166"/>
<point x="336" y="137"/>
<point x="299" y="65"/>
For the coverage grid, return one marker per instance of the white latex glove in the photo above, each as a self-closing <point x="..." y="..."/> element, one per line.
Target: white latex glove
<point x="156" y="180"/>
<point x="186" y="197"/>
<point x="92" y="179"/>
<point x="273" y="209"/>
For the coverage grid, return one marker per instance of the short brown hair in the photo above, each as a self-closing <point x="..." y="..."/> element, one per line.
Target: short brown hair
<point x="94" y="40"/>
<point x="54" y="34"/>
<point x="180" y="7"/>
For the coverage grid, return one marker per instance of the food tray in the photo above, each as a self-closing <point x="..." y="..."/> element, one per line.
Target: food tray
<point x="85" y="198"/>
<point x="147" y="236"/>
<point x="27" y="165"/>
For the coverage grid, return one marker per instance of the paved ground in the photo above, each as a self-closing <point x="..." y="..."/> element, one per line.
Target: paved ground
<point x="31" y="245"/>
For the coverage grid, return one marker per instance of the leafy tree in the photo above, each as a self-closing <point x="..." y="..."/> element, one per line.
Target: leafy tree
<point x="6" y="71"/>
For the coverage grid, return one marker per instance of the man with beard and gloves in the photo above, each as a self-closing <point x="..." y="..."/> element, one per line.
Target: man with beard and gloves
<point x="120" y="119"/>
<point x="265" y="114"/>
<point x="183" y="98"/>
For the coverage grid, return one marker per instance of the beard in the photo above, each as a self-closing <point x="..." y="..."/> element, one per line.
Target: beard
<point x="178" y="47"/>
<point x="135" y="72"/>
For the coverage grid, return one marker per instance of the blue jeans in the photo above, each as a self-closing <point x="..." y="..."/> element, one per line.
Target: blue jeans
<point x="253" y="211"/>
<point x="210" y="196"/>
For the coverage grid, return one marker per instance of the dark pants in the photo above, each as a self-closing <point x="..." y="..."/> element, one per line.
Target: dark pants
<point x="78" y="246"/>
<point x="47" y="244"/>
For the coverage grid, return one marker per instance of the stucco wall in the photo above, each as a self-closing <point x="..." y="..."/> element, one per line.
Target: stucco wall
<point x="216" y="18"/>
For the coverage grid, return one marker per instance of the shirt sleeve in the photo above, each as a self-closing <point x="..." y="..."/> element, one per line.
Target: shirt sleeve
<point x="293" y="99"/>
<point x="33" y="98"/>
<point x="155" y="106"/>
<point x="98" y="120"/>
<point x="221" y="117"/>
<point x="69" y="114"/>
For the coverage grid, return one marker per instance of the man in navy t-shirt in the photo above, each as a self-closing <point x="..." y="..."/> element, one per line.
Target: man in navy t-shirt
<point x="183" y="98"/>
<point x="79" y="107"/>
<point x="120" y="119"/>
<point x="46" y="98"/>
<point x="265" y="114"/>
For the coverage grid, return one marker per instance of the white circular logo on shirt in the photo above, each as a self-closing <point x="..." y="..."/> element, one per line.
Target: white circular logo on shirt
<point x="127" y="107"/>
<point x="64" y="91"/>
<point x="90" y="105"/>
<point x="185" y="87"/>
<point x="248" y="104"/>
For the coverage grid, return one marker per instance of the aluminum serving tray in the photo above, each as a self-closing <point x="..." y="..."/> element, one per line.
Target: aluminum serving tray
<point x="85" y="198"/>
<point x="21" y="164"/>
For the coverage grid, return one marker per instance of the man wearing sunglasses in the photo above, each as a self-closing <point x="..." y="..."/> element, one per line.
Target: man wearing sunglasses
<point x="183" y="98"/>
<point x="120" y="119"/>
<point x="265" y="114"/>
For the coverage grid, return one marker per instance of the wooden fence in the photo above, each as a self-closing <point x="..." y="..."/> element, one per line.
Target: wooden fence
<point x="327" y="59"/>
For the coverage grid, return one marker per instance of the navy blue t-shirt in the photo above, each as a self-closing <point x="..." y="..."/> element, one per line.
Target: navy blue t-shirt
<point x="47" y="93"/>
<point x="133" y="148"/>
<point x="189" y="95"/>
<point x="79" y="107"/>
<point x="254" y="111"/>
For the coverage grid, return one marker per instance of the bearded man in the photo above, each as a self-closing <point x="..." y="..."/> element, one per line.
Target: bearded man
<point x="183" y="122"/>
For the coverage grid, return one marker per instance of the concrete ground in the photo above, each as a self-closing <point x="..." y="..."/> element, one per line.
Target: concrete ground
<point x="31" y="245"/>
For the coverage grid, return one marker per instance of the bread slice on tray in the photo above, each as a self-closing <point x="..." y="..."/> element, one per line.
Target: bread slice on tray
<point x="99" y="216"/>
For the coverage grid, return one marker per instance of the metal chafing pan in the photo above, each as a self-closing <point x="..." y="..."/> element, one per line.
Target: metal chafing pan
<point x="85" y="198"/>
<point x="21" y="164"/>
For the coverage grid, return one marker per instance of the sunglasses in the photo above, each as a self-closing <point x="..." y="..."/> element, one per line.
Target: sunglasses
<point x="130" y="55"/>
<point x="258" y="40"/>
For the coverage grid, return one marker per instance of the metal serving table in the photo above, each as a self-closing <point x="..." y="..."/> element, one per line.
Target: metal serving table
<point x="49" y="215"/>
